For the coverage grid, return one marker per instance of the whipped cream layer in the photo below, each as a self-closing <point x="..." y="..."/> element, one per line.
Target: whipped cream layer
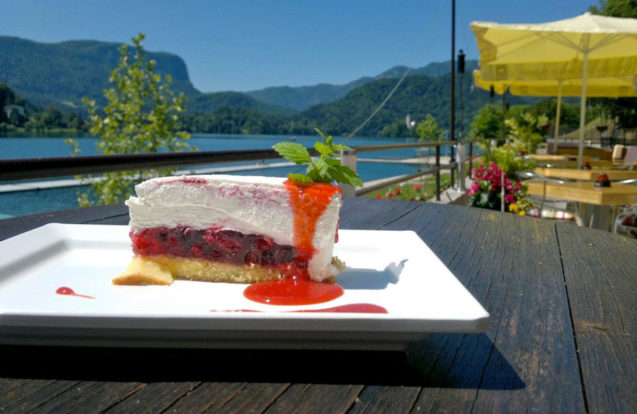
<point x="247" y="204"/>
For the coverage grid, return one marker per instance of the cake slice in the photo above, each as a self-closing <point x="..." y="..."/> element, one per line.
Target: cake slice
<point x="224" y="228"/>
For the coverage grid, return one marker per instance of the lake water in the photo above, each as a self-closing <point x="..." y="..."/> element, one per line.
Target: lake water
<point x="29" y="202"/>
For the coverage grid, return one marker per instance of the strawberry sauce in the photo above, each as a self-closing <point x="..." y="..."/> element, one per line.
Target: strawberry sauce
<point x="308" y="203"/>
<point x="67" y="291"/>
<point x="349" y="308"/>
<point x="292" y="291"/>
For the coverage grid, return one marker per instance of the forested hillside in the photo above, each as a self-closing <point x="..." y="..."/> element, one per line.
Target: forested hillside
<point x="53" y="78"/>
<point x="61" y="74"/>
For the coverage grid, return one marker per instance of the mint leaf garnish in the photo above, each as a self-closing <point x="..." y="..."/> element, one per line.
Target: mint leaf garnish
<point x="294" y="152"/>
<point x="324" y="169"/>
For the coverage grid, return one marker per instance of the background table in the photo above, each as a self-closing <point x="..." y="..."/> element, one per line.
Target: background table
<point x="561" y="299"/>
<point x="585" y="175"/>
<point x="585" y="192"/>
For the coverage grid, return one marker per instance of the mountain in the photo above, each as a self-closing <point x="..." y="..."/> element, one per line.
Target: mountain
<point x="212" y="102"/>
<point x="62" y="73"/>
<point x="304" y="97"/>
<point x="417" y="96"/>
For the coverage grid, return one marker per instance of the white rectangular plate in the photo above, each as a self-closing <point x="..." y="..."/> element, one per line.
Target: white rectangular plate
<point x="392" y="269"/>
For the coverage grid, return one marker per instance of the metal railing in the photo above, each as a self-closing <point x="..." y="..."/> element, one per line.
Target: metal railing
<point x="30" y="168"/>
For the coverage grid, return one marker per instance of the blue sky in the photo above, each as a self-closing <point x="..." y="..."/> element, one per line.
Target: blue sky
<point x="244" y="45"/>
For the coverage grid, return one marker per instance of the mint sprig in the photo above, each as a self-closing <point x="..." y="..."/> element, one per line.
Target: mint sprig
<point x="324" y="169"/>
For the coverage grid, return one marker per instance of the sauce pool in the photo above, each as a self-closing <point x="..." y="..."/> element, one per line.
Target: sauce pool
<point x="292" y="291"/>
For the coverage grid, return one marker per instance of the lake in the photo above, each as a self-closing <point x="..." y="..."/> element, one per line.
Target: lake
<point x="29" y="202"/>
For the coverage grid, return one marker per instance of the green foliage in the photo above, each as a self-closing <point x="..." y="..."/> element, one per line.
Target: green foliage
<point x="428" y="130"/>
<point x="141" y="116"/>
<point x="60" y="74"/>
<point x="526" y="130"/>
<point x="624" y="110"/>
<point x="487" y="124"/>
<point x="325" y="169"/>
<point x="616" y="8"/>
<point x="397" y="129"/>
<point x="508" y="158"/>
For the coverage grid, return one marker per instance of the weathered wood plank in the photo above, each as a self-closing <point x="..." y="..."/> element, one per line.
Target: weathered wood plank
<point x="600" y="274"/>
<point x="29" y="398"/>
<point x="8" y="385"/>
<point x="315" y="398"/>
<point x="360" y="213"/>
<point x="153" y="398"/>
<point x="517" y="276"/>
<point x="252" y="398"/>
<point x="16" y="225"/>
<point x="527" y="361"/>
<point x="89" y="396"/>
<point x="207" y="396"/>
<point x="385" y="399"/>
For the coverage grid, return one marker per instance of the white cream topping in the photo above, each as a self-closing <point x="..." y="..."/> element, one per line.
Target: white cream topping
<point x="250" y="205"/>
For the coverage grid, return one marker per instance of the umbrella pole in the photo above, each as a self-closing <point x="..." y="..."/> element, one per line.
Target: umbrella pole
<point x="557" y="115"/>
<point x="582" y="103"/>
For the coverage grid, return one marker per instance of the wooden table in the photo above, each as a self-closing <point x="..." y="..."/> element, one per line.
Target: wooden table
<point x="585" y="175"/>
<point x="567" y="163"/>
<point x="585" y="192"/>
<point x="562" y="301"/>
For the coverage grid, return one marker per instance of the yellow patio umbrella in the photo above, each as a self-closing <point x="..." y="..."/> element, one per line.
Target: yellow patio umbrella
<point x="586" y="46"/>
<point x="614" y="87"/>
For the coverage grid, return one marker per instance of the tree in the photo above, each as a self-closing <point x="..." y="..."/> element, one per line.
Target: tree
<point x="428" y="129"/>
<point x="141" y="116"/>
<point x="616" y="8"/>
<point x="623" y="109"/>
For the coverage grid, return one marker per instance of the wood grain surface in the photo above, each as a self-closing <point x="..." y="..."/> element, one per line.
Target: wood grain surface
<point x="562" y="305"/>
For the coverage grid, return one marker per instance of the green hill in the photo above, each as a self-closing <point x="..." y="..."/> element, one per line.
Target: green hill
<point x="417" y="96"/>
<point x="61" y="74"/>
<point x="304" y="97"/>
<point x="211" y="102"/>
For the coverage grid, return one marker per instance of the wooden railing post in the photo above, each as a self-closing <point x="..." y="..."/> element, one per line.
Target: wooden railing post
<point x="348" y="158"/>
<point x="452" y="159"/>
<point x="461" y="169"/>
<point x="438" y="172"/>
<point x="470" y="159"/>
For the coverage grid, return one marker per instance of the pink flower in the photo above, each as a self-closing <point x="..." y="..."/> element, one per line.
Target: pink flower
<point x="509" y="198"/>
<point x="416" y="187"/>
<point x="475" y="187"/>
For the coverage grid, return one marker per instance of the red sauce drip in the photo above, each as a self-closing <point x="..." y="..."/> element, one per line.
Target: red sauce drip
<point x="236" y="311"/>
<point x="351" y="308"/>
<point x="68" y="291"/>
<point x="292" y="291"/>
<point x="308" y="203"/>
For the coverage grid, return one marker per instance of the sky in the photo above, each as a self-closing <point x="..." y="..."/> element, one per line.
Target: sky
<point x="243" y="45"/>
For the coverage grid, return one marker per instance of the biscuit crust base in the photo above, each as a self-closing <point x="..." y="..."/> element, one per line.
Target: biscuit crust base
<point x="163" y="270"/>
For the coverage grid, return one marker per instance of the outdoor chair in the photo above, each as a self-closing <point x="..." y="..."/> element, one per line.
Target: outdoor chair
<point x="629" y="158"/>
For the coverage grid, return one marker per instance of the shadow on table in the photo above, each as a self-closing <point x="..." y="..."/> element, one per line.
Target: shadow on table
<point x="443" y="360"/>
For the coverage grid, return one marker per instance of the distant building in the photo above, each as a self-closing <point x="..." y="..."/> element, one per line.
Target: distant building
<point x="410" y="122"/>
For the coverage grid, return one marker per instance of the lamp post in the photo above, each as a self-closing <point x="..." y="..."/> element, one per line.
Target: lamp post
<point x="452" y="114"/>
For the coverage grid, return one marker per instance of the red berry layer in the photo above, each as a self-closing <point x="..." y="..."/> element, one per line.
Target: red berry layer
<point x="214" y="244"/>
